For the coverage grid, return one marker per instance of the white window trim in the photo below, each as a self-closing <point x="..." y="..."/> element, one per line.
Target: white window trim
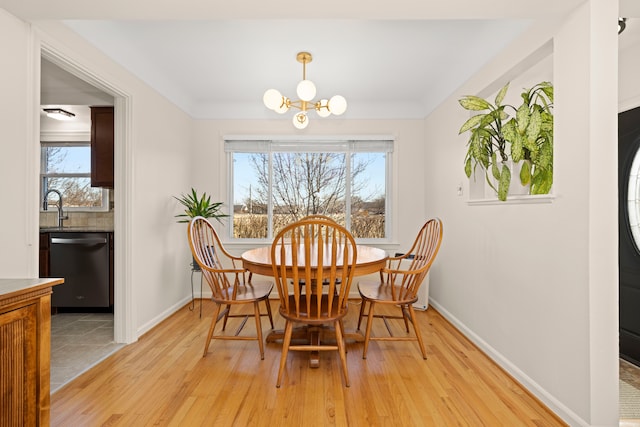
<point x="349" y="140"/>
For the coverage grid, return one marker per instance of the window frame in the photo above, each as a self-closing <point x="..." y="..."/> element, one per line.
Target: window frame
<point x="105" y="192"/>
<point x="348" y="145"/>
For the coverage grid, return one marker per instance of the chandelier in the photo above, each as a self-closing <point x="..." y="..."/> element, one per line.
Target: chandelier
<point x="306" y="91"/>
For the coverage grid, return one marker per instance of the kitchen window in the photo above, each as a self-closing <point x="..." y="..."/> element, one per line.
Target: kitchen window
<point x="66" y="167"/>
<point x="277" y="181"/>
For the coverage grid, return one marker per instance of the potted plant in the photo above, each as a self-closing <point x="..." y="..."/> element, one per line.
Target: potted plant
<point x="503" y="133"/>
<point x="199" y="206"/>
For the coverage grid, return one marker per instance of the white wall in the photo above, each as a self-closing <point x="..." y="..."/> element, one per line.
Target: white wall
<point x="629" y="66"/>
<point x="18" y="233"/>
<point x="535" y="285"/>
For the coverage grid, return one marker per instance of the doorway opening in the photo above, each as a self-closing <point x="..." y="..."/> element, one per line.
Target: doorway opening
<point x="124" y="330"/>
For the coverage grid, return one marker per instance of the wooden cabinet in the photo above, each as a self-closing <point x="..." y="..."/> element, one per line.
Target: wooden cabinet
<point x="111" y="275"/>
<point x="25" y="343"/>
<point x="102" y="147"/>
<point x="44" y="255"/>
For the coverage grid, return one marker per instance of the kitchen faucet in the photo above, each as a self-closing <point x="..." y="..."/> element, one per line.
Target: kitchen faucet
<point x="45" y="205"/>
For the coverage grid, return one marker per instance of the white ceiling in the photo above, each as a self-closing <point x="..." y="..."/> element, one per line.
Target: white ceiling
<point x="215" y="60"/>
<point x="220" y="69"/>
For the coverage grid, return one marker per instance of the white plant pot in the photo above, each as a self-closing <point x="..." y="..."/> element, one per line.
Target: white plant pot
<point x="516" y="188"/>
<point x="480" y="188"/>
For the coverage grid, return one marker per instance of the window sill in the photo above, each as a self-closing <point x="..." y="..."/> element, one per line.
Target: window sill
<point x="515" y="200"/>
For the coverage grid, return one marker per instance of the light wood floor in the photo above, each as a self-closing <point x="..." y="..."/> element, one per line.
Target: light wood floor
<point x="164" y="380"/>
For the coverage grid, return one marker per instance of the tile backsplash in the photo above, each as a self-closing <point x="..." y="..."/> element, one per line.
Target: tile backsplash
<point x="97" y="220"/>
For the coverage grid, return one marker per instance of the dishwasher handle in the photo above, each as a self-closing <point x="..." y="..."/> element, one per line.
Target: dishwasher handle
<point x="79" y="241"/>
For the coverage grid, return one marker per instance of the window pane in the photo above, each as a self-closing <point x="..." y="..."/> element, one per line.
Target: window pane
<point x="250" y="192"/>
<point x="76" y="192"/>
<point x="306" y="184"/>
<point x="368" y="205"/>
<point x="67" y="159"/>
<point x="633" y="200"/>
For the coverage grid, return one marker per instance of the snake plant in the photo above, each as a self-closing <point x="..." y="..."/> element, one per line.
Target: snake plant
<point x="199" y="206"/>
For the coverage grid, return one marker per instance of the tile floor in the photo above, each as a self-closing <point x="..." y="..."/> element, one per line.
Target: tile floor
<point x="78" y="342"/>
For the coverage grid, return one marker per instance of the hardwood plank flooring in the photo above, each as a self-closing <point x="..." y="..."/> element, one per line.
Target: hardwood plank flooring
<point x="163" y="380"/>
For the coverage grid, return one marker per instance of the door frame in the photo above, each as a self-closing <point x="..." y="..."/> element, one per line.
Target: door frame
<point x="125" y="330"/>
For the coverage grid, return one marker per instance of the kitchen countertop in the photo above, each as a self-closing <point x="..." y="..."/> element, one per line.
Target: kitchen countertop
<point x="9" y="288"/>
<point x="86" y="229"/>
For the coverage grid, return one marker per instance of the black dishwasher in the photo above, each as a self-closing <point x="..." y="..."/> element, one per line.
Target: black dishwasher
<point x="83" y="260"/>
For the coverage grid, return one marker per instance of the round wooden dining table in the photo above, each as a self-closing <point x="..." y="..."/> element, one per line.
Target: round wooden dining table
<point x="370" y="260"/>
<point x="258" y="261"/>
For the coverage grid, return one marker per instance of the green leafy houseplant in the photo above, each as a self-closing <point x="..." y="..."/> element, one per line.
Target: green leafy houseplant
<point x="503" y="132"/>
<point x="199" y="206"/>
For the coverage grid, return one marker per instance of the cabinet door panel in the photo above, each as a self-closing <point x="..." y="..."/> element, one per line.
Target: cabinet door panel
<point x="18" y="365"/>
<point x="102" y="147"/>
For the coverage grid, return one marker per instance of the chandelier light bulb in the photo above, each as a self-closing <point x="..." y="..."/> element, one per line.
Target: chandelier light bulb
<point x="337" y="105"/>
<point x="300" y="120"/>
<point x="272" y="99"/>
<point x="306" y="90"/>
<point x="283" y="107"/>
<point x="322" y="108"/>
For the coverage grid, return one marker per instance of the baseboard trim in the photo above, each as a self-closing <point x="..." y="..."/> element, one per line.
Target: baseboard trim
<point x="162" y="316"/>
<point x="512" y="370"/>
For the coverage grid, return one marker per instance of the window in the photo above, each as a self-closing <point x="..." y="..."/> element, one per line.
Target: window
<point x="275" y="182"/>
<point x="633" y="199"/>
<point x="66" y="168"/>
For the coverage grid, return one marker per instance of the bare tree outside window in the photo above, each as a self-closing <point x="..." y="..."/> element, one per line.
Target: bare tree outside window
<point x="67" y="168"/>
<point x="306" y="183"/>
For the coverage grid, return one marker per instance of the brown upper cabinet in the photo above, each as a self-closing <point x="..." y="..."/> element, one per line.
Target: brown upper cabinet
<point x="102" y="147"/>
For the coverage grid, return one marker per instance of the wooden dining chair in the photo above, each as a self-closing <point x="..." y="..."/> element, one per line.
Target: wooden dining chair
<point x="399" y="284"/>
<point x="318" y="216"/>
<point x="313" y="252"/>
<point x="228" y="282"/>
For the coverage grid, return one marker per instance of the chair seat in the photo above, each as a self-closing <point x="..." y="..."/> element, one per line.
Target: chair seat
<point x="250" y="292"/>
<point x="309" y="314"/>
<point x="382" y="293"/>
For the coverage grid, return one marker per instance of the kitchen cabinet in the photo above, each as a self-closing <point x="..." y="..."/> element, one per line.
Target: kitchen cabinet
<point x="102" y="147"/>
<point x="44" y="255"/>
<point x="25" y="340"/>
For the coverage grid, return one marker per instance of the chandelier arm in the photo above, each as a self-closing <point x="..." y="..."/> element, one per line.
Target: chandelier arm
<point x="299" y="104"/>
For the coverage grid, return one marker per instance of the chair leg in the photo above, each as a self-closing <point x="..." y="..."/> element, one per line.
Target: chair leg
<point x="269" y="312"/>
<point x="341" y="350"/>
<point x="342" y="326"/>
<point x="367" y="335"/>
<point x="288" y="329"/>
<point x="362" y="304"/>
<point x="214" y="321"/>
<point x="256" y="312"/>
<point x="416" y="329"/>
<point x="404" y="317"/>
<point x="226" y="316"/>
